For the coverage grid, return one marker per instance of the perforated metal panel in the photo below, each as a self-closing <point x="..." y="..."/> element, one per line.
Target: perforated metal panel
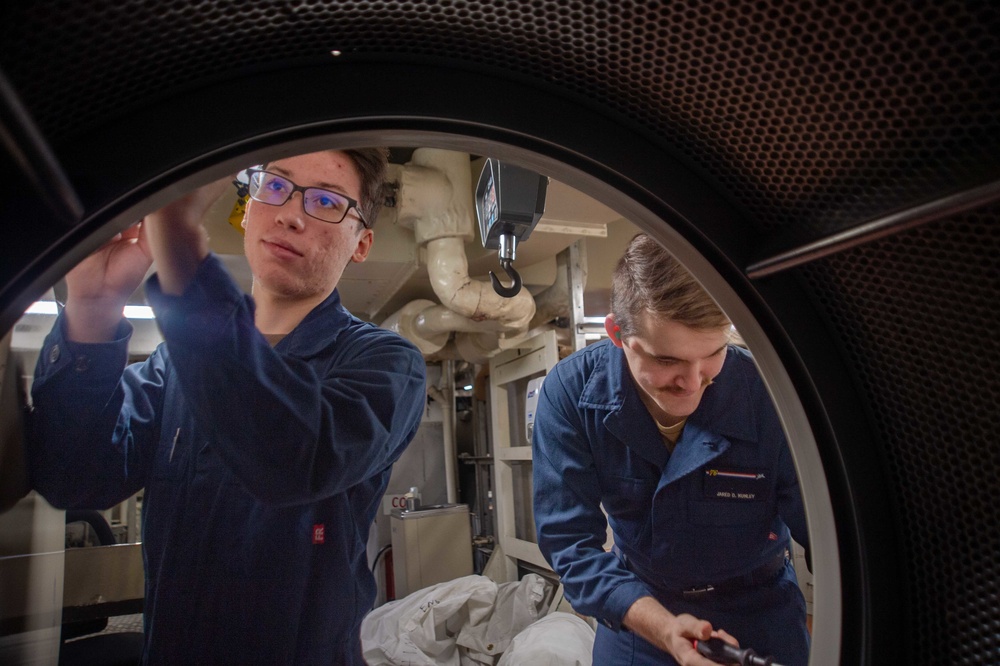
<point x="806" y="115"/>
<point x="810" y="114"/>
<point x="917" y="317"/>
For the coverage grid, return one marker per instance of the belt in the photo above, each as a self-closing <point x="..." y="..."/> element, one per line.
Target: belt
<point x="759" y="576"/>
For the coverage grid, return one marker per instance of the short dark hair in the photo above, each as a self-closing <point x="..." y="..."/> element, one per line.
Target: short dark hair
<point x="373" y="166"/>
<point x="648" y="279"/>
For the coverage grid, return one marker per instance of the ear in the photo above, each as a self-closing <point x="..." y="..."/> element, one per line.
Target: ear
<point x="614" y="333"/>
<point x="365" y="241"/>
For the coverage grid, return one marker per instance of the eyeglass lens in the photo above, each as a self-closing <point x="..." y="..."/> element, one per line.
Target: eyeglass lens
<point x="275" y="190"/>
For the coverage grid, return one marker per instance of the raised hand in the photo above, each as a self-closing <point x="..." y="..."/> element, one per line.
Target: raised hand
<point x="100" y="285"/>
<point x="178" y="240"/>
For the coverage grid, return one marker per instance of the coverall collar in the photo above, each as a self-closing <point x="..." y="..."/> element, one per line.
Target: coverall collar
<point x="320" y="328"/>
<point x="610" y="388"/>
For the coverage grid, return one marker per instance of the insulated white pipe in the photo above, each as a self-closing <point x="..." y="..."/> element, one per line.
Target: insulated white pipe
<point x="439" y="319"/>
<point x="448" y="378"/>
<point x="435" y="200"/>
<point x="555" y="300"/>
<point x="448" y="270"/>
<point x="403" y="322"/>
<point x="477" y="347"/>
<point x="448" y="429"/>
<point x="435" y="196"/>
<point x="429" y="326"/>
<point x="447" y="353"/>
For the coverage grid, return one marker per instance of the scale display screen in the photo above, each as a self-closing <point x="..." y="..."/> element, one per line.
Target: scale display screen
<point x="490" y="212"/>
<point x="509" y="200"/>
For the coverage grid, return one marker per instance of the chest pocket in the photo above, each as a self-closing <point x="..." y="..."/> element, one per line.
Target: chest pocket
<point x="629" y="504"/>
<point x="726" y="514"/>
<point x="735" y="484"/>
<point x="210" y="470"/>
<point x="731" y="496"/>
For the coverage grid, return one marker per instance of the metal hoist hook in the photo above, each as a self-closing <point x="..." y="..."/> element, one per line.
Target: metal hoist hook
<point x="514" y="288"/>
<point x="507" y="253"/>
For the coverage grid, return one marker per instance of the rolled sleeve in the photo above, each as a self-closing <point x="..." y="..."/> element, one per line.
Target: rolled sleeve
<point x="620" y="600"/>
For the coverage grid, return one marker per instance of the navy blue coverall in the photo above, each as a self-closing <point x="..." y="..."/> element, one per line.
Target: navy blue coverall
<point x="716" y="512"/>
<point x="263" y="468"/>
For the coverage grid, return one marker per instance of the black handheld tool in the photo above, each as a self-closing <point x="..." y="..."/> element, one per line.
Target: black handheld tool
<point x="722" y="652"/>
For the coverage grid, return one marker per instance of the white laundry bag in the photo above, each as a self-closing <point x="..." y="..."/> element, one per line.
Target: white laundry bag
<point x="468" y="621"/>
<point x="558" y="639"/>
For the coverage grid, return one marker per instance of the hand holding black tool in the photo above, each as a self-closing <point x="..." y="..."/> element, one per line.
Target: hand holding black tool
<point x="722" y="652"/>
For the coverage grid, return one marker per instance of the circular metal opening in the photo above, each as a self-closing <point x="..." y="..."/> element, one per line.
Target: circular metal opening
<point x="553" y="161"/>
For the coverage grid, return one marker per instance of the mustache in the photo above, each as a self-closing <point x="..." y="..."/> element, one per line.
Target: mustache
<point x="708" y="381"/>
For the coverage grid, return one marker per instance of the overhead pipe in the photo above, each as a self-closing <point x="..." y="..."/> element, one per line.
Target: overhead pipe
<point x="555" y="300"/>
<point x="435" y="200"/>
<point x="439" y="319"/>
<point x="477" y="347"/>
<point x="448" y="270"/>
<point x="447" y="353"/>
<point x="403" y="322"/>
<point x="444" y="395"/>
<point x="430" y="325"/>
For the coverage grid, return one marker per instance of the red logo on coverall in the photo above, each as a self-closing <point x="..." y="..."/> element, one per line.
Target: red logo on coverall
<point x="319" y="533"/>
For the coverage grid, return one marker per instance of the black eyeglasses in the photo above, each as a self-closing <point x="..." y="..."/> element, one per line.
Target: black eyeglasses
<point x="326" y="205"/>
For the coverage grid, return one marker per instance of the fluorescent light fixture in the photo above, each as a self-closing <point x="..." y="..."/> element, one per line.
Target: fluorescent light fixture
<point x="467" y="388"/>
<point x="43" y="308"/>
<point x="50" y="308"/>
<point x="139" y="312"/>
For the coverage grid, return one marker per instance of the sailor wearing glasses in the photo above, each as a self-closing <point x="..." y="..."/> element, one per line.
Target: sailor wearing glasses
<point x="263" y="430"/>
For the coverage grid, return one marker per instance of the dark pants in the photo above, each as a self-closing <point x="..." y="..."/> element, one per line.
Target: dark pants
<point x="770" y="619"/>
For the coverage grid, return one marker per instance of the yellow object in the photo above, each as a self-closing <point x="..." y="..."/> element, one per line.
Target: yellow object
<point x="236" y="216"/>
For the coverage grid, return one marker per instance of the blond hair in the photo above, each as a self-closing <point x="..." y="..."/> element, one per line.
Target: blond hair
<point x="648" y="279"/>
